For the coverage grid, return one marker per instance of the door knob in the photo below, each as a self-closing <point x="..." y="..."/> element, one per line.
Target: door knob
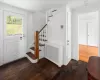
<point x="67" y="40"/>
<point x="20" y="38"/>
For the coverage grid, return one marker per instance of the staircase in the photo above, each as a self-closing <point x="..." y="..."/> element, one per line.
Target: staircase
<point x="40" y="39"/>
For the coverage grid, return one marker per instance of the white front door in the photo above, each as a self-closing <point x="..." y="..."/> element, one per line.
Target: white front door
<point x="13" y="36"/>
<point x="1" y="37"/>
<point x="83" y="32"/>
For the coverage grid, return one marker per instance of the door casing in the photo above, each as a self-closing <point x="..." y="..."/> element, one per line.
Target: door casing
<point x="1" y="37"/>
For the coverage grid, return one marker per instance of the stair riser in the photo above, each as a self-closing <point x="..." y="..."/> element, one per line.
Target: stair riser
<point x="31" y="51"/>
<point x="31" y="60"/>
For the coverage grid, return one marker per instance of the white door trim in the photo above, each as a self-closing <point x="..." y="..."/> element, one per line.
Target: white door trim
<point x="98" y="33"/>
<point x="1" y="37"/>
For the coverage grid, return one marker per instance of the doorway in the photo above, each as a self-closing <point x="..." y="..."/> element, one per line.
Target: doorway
<point x="88" y="41"/>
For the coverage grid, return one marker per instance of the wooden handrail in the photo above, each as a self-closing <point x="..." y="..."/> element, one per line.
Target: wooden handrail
<point x="42" y="28"/>
<point x="36" y="42"/>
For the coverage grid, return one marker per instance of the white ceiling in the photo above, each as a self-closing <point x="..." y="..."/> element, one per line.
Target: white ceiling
<point x="37" y="5"/>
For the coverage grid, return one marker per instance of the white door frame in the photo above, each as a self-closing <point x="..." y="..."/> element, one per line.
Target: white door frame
<point x="98" y="33"/>
<point x="1" y="37"/>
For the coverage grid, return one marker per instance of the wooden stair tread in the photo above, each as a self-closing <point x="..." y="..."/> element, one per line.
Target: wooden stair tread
<point x="46" y="40"/>
<point x="32" y="56"/>
<point x="41" y="44"/>
<point x="33" y="49"/>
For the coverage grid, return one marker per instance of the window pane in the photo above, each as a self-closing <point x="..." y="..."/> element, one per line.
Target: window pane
<point x="13" y="25"/>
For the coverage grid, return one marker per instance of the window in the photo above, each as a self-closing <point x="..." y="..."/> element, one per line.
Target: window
<point x="13" y="25"/>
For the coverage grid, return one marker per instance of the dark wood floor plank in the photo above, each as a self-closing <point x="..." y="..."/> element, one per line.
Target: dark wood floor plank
<point x="43" y="70"/>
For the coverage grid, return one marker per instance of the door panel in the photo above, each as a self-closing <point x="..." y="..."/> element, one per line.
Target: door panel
<point x="10" y="53"/>
<point x="68" y="37"/>
<point x="93" y="33"/>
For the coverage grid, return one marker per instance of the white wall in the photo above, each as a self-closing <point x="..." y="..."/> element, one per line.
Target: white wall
<point x="75" y="13"/>
<point x="36" y="22"/>
<point x="59" y="36"/>
<point x="83" y="32"/>
<point x="39" y="20"/>
<point x="55" y="33"/>
<point x="30" y="31"/>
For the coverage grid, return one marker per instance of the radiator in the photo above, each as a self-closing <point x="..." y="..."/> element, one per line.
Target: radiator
<point x="54" y="53"/>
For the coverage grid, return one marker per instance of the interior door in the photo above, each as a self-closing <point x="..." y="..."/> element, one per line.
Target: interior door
<point x="68" y="36"/>
<point x="83" y="32"/>
<point x="93" y="33"/>
<point x="1" y="37"/>
<point x="13" y="36"/>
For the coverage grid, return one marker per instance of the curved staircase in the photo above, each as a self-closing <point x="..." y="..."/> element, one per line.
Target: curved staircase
<point x="40" y="39"/>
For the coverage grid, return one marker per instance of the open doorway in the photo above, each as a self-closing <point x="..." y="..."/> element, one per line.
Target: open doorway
<point x="88" y="41"/>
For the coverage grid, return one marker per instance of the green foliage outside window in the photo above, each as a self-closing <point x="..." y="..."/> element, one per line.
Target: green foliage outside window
<point x="14" y="20"/>
<point x="13" y="25"/>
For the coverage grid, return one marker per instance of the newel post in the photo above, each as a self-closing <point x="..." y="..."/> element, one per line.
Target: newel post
<point x="36" y="45"/>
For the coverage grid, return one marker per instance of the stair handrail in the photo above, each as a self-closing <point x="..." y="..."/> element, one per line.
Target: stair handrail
<point x="43" y="28"/>
<point x="46" y="24"/>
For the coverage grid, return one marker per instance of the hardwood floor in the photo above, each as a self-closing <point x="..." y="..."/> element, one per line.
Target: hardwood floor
<point x="43" y="70"/>
<point x="86" y="51"/>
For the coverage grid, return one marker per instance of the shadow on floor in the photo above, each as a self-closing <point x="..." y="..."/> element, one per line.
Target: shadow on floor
<point x="75" y="70"/>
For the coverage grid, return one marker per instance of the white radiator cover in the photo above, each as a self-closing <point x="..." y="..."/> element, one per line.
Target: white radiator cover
<point x="54" y="53"/>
